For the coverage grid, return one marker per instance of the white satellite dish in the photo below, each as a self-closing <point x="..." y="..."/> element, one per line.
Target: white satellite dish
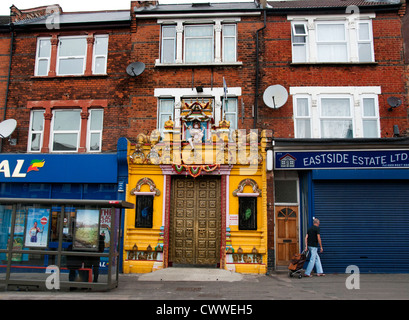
<point x="7" y="127"/>
<point x="275" y="96"/>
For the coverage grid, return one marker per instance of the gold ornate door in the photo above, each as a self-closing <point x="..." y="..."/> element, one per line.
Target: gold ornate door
<point x="286" y="233"/>
<point x="195" y="221"/>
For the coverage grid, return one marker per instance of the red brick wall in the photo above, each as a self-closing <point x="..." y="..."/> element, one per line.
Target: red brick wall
<point x="5" y="39"/>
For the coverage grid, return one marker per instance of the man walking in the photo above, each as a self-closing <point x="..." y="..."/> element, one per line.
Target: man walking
<point x="312" y="241"/>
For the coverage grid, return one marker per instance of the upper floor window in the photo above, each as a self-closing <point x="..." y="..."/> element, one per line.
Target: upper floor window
<point x="200" y="43"/>
<point x="336" y="112"/>
<point x="339" y="40"/>
<point x="74" y="55"/>
<point x="64" y="129"/>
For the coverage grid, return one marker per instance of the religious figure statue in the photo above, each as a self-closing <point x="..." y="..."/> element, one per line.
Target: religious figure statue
<point x="196" y="134"/>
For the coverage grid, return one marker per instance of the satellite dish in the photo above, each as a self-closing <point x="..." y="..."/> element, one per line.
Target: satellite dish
<point x="275" y="96"/>
<point x="7" y="127"/>
<point x="135" y="69"/>
<point x="394" y="102"/>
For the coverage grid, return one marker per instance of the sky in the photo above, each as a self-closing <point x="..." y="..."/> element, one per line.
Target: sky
<point x="86" y="5"/>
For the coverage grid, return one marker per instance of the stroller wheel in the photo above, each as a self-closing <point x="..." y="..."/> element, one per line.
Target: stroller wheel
<point x="299" y="276"/>
<point x="290" y="274"/>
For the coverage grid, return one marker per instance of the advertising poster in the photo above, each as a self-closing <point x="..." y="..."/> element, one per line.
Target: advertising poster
<point x="86" y="233"/>
<point x="37" y="227"/>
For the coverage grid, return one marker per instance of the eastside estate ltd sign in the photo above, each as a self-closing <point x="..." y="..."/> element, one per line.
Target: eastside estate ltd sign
<point x="355" y="159"/>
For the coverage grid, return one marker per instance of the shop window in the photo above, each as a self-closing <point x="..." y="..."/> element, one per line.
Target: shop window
<point x="144" y="211"/>
<point x="248" y="213"/>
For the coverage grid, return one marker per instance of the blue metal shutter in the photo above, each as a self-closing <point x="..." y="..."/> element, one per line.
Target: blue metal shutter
<point x="363" y="223"/>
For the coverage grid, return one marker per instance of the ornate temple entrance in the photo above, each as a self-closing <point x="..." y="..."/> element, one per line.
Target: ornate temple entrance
<point x="195" y="222"/>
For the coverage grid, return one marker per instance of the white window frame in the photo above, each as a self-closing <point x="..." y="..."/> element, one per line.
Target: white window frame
<point x="352" y="34"/>
<point x="233" y="126"/>
<point x="376" y="117"/>
<point x="32" y="132"/>
<point x="298" y="117"/>
<point x="186" y="38"/>
<point x="168" y="38"/>
<point x="294" y="44"/>
<point x="95" y="55"/>
<point x="345" y="42"/>
<point x="180" y="40"/>
<point x="171" y="114"/>
<point x="229" y="37"/>
<point x="53" y="132"/>
<point x="38" y="59"/>
<point x="59" y="58"/>
<point x="356" y="95"/>
<point x="95" y="131"/>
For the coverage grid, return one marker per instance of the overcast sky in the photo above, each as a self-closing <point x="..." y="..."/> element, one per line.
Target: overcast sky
<point x="86" y="5"/>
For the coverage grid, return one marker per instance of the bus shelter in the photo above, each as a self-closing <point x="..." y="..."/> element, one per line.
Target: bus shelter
<point x="49" y="244"/>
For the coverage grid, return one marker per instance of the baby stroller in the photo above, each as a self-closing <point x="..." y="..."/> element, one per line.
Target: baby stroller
<point x="297" y="263"/>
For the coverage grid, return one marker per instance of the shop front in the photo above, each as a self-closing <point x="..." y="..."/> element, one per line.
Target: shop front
<point x="357" y="189"/>
<point x="200" y="197"/>
<point x="59" y="179"/>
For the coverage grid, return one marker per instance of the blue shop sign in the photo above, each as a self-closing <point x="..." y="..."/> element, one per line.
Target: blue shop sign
<point x="57" y="168"/>
<point x="355" y="159"/>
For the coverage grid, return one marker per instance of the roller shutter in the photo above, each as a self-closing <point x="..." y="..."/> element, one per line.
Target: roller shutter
<point x="363" y="223"/>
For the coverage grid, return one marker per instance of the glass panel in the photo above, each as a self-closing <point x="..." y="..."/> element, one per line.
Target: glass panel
<point x="370" y="128"/>
<point x="199" y="50"/>
<point x="168" y="51"/>
<point x="199" y="31"/>
<point x="72" y="47"/>
<point x="369" y="107"/>
<point x="229" y="50"/>
<point x="336" y="129"/>
<point x="65" y="142"/>
<point x="44" y="48"/>
<point x="330" y="32"/>
<point x="230" y="105"/>
<point x="144" y="212"/>
<point x="37" y="121"/>
<point x="35" y="141"/>
<point x="101" y="45"/>
<point x="166" y="106"/>
<point x="248" y="213"/>
<point x="169" y="31"/>
<point x="332" y="53"/>
<point x="286" y="191"/>
<point x="335" y="107"/>
<point x="96" y="119"/>
<point x="365" y="52"/>
<point x="95" y="142"/>
<point x="5" y="223"/>
<point x="229" y="30"/>
<point x="71" y="66"/>
<point x="42" y="68"/>
<point x="100" y="65"/>
<point x="67" y="120"/>
<point x="363" y="31"/>
<point x="302" y="107"/>
<point x="299" y="53"/>
<point x="303" y="128"/>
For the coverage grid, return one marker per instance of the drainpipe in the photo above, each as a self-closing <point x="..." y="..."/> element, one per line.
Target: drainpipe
<point x="8" y="79"/>
<point x="256" y="95"/>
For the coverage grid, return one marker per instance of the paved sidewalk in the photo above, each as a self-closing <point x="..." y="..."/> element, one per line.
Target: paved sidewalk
<point x="215" y="284"/>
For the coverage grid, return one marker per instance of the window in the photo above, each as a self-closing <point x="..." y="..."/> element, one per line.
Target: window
<point x="71" y="56"/>
<point x="168" y="44"/>
<point x="43" y="56"/>
<point x="229" y="43"/>
<point x="144" y="211"/>
<point x="199" y="43"/>
<point x="203" y="43"/>
<point x="247" y="213"/>
<point x="331" y="42"/>
<point x="370" y="118"/>
<point x="36" y="131"/>
<point x="302" y="117"/>
<point x="95" y="130"/>
<point x="336" y="112"/>
<point x="66" y="130"/>
<point x="231" y="112"/>
<point x="100" y="54"/>
<point x="339" y="40"/>
<point x="299" y="41"/>
<point x="165" y="112"/>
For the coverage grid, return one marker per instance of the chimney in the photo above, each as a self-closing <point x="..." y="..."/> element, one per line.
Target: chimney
<point x="17" y="15"/>
<point x="144" y="4"/>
